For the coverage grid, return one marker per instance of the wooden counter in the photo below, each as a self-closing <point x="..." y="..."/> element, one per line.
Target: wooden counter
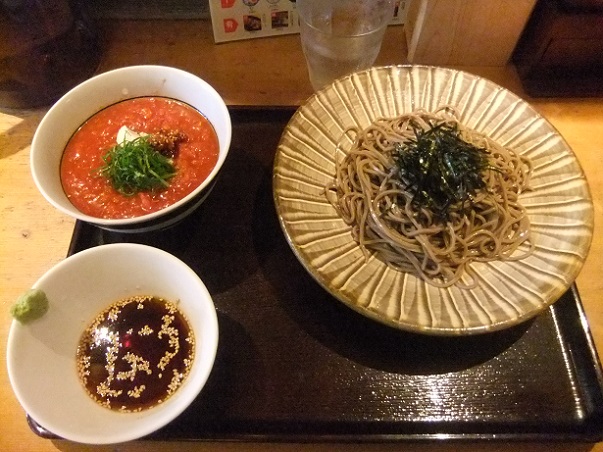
<point x="264" y="72"/>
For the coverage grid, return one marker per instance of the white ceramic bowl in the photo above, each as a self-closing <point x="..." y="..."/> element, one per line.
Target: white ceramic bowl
<point x="41" y="354"/>
<point x="91" y="96"/>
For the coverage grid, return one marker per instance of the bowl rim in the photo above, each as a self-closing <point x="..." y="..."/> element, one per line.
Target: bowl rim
<point x="37" y="144"/>
<point x="176" y="404"/>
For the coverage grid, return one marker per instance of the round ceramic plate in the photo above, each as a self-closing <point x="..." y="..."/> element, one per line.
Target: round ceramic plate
<point x="559" y="205"/>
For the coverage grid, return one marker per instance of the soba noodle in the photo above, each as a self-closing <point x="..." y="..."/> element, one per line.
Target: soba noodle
<point x="376" y="201"/>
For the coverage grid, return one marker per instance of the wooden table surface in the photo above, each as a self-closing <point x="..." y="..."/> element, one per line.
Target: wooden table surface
<point x="263" y="72"/>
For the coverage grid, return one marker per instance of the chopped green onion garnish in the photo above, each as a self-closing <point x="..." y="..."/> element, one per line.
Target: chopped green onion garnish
<point x="136" y="165"/>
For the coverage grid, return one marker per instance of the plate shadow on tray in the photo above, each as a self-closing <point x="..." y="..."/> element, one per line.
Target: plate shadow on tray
<point x="225" y="392"/>
<point x="210" y="234"/>
<point x="352" y="335"/>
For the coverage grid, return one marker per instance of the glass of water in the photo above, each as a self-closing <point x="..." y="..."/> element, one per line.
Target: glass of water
<point x="341" y="36"/>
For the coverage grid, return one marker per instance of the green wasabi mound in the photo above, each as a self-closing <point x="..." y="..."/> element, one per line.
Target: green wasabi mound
<point x="32" y="305"/>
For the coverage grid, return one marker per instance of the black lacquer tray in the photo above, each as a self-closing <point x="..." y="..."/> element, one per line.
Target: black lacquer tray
<point x="295" y="364"/>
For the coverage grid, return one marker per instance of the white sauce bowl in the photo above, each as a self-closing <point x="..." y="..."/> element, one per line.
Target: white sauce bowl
<point x="91" y="96"/>
<point x="41" y="354"/>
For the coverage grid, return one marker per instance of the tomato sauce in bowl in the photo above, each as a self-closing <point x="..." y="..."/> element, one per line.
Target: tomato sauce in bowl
<point x="93" y="194"/>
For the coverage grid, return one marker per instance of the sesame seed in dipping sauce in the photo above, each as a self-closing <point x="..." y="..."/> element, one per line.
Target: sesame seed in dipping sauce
<point x="135" y="354"/>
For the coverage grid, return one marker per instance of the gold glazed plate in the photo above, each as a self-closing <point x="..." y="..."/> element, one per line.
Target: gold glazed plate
<point x="559" y="205"/>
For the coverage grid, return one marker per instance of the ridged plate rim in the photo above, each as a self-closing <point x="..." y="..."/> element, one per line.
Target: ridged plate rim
<point x="559" y="206"/>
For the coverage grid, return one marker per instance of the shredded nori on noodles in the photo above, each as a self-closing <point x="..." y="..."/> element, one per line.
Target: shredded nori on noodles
<point x="440" y="169"/>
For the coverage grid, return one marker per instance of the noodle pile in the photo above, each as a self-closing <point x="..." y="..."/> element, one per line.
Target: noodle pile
<point x="372" y="195"/>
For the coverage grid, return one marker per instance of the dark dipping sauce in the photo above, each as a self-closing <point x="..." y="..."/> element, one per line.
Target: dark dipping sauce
<point x="135" y="354"/>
